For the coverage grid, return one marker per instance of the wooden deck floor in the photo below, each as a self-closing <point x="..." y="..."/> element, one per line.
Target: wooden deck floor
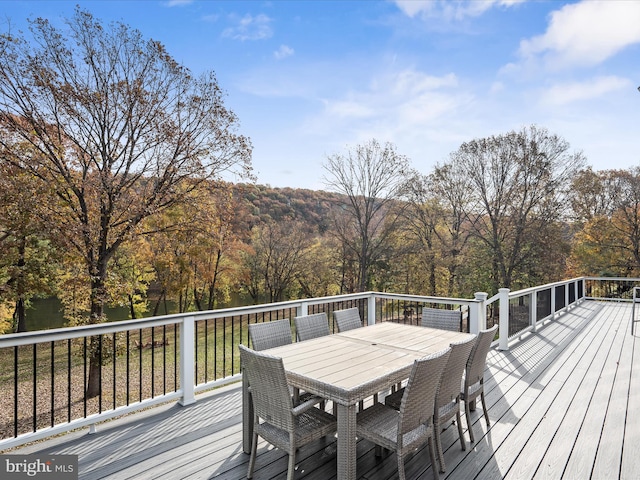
<point x="561" y="404"/>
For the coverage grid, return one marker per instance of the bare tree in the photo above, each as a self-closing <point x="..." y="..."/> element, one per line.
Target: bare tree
<point x="436" y="217"/>
<point x="593" y="194"/>
<point x="518" y="184"/>
<point x="372" y="177"/>
<point x="279" y="252"/>
<point x="116" y="127"/>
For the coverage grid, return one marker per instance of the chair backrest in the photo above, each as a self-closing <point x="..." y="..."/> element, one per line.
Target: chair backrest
<point x="419" y="395"/>
<point x="312" y="326"/>
<point x="478" y="356"/>
<point x="442" y="319"/>
<point x="449" y="388"/>
<point x="270" y="334"/>
<point x="269" y="389"/>
<point x="347" y="319"/>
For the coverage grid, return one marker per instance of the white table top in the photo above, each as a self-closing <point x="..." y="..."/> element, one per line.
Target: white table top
<point x="351" y="366"/>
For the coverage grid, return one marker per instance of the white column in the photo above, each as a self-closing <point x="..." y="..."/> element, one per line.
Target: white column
<point x="371" y="310"/>
<point x="504" y="319"/>
<point x="187" y="361"/>
<point x="478" y="313"/>
<point x="533" y="309"/>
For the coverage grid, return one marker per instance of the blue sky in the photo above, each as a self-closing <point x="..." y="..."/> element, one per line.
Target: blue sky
<point x="309" y="79"/>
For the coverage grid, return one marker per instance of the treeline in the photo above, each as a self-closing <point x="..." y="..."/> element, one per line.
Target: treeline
<point x="273" y="244"/>
<point x="112" y="161"/>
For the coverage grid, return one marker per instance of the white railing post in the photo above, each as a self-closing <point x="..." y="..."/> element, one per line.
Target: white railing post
<point x="553" y="302"/>
<point x="504" y="319"/>
<point x="303" y="309"/>
<point x="533" y="310"/>
<point x="187" y="360"/>
<point x="566" y="296"/>
<point x="371" y="310"/>
<point x="478" y="313"/>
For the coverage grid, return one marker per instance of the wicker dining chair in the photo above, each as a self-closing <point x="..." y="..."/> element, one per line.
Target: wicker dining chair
<point x="270" y="334"/>
<point x="442" y="319"/>
<point x="474" y="375"/>
<point x="311" y="326"/>
<point x="407" y="429"/>
<point x="275" y="334"/>
<point x="448" y="397"/>
<point x="447" y="404"/>
<point x="347" y="319"/>
<point x="275" y="418"/>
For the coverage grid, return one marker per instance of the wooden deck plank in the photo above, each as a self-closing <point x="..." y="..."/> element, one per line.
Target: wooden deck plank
<point x="559" y="449"/>
<point x="515" y="404"/>
<point x="609" y="453"/>
<point x="573" y="401"/>
<point x="581" y="461"/>
<point x="630" y="449"/>
<point x="563" y="396"/>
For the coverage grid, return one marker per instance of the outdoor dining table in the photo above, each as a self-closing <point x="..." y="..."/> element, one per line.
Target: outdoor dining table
<point x="351" y="366"/>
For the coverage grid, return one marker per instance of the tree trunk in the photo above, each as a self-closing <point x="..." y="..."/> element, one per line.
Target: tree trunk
<point x="132" y="310"/>
<point x="98" y="292"/>
<point x="95" y="367"/>
<point x="20" y="316"/>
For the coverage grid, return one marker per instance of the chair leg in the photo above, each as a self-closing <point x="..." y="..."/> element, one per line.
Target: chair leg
<point x="401" y="475"/>
<point x="438" y="441"/>
<point x="484" y="409"/>
<point x="469" y="426"/>
<point x="292" y="464"/>
<point x="432" y="454"/>
<point x="463" y="444"/>
<point x="252" y="457"/>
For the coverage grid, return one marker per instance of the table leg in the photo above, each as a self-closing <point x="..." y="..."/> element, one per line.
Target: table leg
<point x="347" y="442"/>
<point x="247" y="416"/>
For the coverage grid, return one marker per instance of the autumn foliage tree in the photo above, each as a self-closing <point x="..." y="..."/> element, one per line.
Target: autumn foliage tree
<point x="116" y="128"/>
<point x="371" y="176"/>
<point x="606" y="206"/>
<point x="518" y="186"/>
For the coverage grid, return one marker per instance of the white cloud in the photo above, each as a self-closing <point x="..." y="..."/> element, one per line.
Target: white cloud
<point x="409" y="91"/>
<point x="450" y="10"/>
<point x="404" y="107"/>
<point x="283" y="52"/>
<point x="562" y="94"/>
<point x="586" y="33"/>
<point x="178" y="3"/>
<point x="250" y="27"/>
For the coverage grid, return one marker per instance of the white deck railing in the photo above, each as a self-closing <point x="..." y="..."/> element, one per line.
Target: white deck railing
<point x="174" y="357"/>
<point x="159" y="359"/>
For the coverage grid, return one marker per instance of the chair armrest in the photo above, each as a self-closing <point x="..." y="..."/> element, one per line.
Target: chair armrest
<point x="306" y="405"/>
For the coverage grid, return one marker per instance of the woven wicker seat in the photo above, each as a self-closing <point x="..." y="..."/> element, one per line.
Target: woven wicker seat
<point x="347" y="319"/>
<point x="473" y="385"/>
<point x="442" y="319"/>
<point x="407" y="429"/>
<point x="447" y="405"/>
<point x="275" y="418"/>
<point x="311" y="326"/>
